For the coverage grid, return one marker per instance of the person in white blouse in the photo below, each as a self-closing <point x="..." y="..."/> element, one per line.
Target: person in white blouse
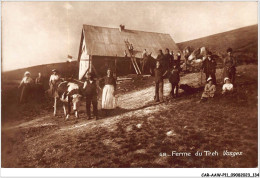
<point x="53" y="83"/>
<point x="26" y="79"/>
<point x="228" y="86"/>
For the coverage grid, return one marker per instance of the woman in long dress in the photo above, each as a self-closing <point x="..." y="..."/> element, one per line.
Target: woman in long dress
<point x="26" y="85"/>
<point x="108" y="94"/>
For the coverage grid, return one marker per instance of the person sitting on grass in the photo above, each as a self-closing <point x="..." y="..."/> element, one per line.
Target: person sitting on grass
<point x="227" y="87"/>
<point x="209" y="90"/>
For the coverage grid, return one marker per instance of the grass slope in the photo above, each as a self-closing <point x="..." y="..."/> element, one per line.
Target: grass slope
<point x="136" y="133"/>
<point x="242" y="40"/>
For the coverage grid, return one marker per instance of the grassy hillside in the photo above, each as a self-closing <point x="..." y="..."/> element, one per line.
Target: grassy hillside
<point x="135" y="133"/>
<point x="11" y="78"/>
<point x="244" y="42"/>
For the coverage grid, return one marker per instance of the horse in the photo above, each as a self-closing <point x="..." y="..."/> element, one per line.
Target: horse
<point x="148" y="64"/>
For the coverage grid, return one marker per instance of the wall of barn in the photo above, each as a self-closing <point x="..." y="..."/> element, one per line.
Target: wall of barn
<point x="120" y="65"/>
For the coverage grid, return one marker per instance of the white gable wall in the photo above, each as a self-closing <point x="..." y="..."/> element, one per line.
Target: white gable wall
<point x="85" y="62"/>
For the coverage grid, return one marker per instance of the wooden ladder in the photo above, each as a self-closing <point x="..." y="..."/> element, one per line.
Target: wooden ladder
<point x="133" y="59"/>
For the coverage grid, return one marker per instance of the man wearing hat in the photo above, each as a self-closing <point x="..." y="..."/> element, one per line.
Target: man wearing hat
<point x="174" y="78"/>
<point x="160" y="57"/>
<point x="172" y="59"/>
<point x="39" y="86"/>
<point x="230" y="66"/>
<point x="167" y="59"/>
<point x="209" y="67"/>
<point x="178" y="60"/>
<point x="53" y="83"/>
<point x="90" y="88"/>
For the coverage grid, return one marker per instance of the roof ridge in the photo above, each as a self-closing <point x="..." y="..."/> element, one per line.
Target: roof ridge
<point x="125" y="29"/>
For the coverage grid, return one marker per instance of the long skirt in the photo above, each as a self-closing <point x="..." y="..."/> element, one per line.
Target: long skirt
<point x="108" y="98"/>
<point x="25" y="93"/>
<point x="207" y="94"/>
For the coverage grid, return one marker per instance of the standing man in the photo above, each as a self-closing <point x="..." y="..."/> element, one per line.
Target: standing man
<point x="159" y="75"/>
<point x="90" y="88"/>
<point x="53" y="83"/>
<point x="39" y="86"/>
<point x="160" y="56"/>
<point x="131" y="49"/>
<point x="172" y="59"/>
<point x="209" y="68"/>
<point x="230" y="66"/>
<point x="174" y="78"/>
<point x="167" y="59"/>
<point x="178" y="61"/>
<point x="143" y="61"/>
<point x="160" y="59"/>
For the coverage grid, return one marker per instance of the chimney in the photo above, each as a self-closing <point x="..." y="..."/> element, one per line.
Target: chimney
<point x="121" y="28"/>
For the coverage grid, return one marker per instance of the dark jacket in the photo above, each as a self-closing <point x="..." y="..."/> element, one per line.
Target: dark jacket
<point x="177" y="62"/>
<point x="91" y="88"/>
<point x="209" y="66"/>
<point x="230" y="61"/>
<point x="167" y="61"/>
<point x="39" y="81"/>
<point x="174" y="75"/>
<point x="160" y="58"/>
<point x="158" y="74"/>
<point x="171" y="61"/>
<point x="178" y="57"/>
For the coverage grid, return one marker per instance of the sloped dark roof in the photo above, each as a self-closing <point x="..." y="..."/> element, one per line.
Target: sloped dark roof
<point x="104" y="41"/>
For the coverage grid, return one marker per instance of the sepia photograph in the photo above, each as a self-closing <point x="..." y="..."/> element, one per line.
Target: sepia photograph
<point x="129" y="84"/>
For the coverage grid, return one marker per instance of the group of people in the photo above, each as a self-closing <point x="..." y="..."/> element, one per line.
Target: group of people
<point x="167" y="67"/>
<point x="91" y="87"/>
<point x="209" y="68"/>
<point x="90" y="90"/>
<point x="28" y="84"/>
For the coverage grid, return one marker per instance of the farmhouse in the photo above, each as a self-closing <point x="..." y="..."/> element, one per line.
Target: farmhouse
<point x="103" y="47"/>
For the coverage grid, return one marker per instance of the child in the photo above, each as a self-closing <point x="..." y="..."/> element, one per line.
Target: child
<point x="209" y="90"/>
<point x="174" y="79"/>
<point x="90" y="88"/>
<point x="227" y="87"/>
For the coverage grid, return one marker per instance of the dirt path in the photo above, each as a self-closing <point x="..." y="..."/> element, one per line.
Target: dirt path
<point x="135" y="133"/>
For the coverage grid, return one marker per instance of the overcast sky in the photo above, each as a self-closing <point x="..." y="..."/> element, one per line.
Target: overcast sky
<point x="35" y="33"/>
